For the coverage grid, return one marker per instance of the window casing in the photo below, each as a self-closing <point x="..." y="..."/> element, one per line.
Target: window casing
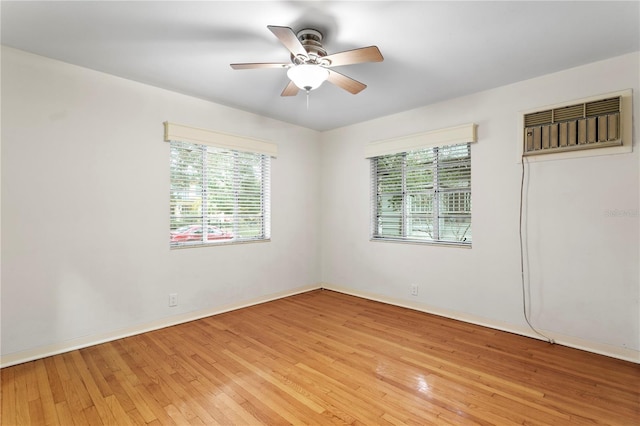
<point x="218" y="195"/>
<point x="423" y="195"/>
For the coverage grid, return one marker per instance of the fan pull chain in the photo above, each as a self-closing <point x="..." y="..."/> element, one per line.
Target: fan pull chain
<point x="308" y="99"/>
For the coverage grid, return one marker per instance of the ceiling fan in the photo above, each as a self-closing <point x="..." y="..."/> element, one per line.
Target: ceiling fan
<point x="310" y="65"/>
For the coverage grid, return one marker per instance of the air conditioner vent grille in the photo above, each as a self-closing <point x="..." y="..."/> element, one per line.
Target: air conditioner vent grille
<point x="572" y="112"/>
<point x="585" y="125"/>
<point x="538" y="118"/>
<point x="605" y="106"/>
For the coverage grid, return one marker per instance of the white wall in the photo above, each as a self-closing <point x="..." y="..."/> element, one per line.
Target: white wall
<point x="584" y="277"/>
<point x="85" y="215"/>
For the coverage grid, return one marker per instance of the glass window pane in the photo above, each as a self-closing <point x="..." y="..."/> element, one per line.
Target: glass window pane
<point x="420" y="227"/>
<point x="455" y="229"/>
<point x="390" y="226"/>
<point x="389" y="204"/>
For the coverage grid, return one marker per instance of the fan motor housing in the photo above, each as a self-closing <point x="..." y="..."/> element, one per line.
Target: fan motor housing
<point x="311" y="40"/>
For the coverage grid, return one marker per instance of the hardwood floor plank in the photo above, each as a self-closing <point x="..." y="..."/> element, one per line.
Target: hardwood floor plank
<point x="47" y="402"/>
<point x="118" y="415"/>
<point x="214" y="407"/>
<point x="176" y="415"/>
<point x="132" y="393"/>
<point x="257" y="391"/>
<point x="21" y="395"/>
<point x="75" y="390"/>
<point x="323" y="358"/>
<point x="360" y="404"/>
<point x="99" y="405"/>
<point x="191" y="397"/>
<point x="93" y="418"/>
<point x="33" y="391"/>
<point x="300" y="395"/>
<point x="123" y="417"/>
<point x="237" y="413"/>
<point x="36" y="413"/>
<point x="8" y="396"/>
<point x="64" y="415"/>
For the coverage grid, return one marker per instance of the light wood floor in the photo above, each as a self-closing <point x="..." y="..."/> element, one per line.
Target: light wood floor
<point x="323" y="358"/>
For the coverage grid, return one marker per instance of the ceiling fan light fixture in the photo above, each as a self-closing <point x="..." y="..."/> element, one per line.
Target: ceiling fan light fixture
<point x="308" y="76"/>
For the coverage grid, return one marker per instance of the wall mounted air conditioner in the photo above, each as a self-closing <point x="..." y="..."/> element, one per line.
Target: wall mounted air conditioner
<point x="604" y="121"/>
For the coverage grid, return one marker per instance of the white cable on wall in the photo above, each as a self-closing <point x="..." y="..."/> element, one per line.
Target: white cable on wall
<point x="522" y="259"/>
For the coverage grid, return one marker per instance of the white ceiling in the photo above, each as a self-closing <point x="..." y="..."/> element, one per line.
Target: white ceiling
<point x="433" y="50"/>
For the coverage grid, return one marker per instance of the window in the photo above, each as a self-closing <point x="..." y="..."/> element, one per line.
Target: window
<point x="423" y="195"/>
<point x="217" y="195"/>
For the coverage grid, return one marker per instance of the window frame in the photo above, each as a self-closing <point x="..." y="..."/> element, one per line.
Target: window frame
<point x="206" y="216"/>
<point x="437" y="168"/>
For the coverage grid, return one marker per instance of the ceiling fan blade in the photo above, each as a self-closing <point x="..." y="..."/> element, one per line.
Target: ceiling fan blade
<point x="289" y="39"/>
<point x="356" y="56"/>
<point x="290" y="90"/>
<point x="250" y="66"/>
<point x="346" y="83"/>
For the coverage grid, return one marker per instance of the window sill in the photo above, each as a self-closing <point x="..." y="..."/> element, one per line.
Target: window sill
<point x="226" y="243"/>
<point x="422" y="243"/>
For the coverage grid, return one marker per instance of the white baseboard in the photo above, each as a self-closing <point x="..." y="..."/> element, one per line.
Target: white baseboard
<point x="83" y="342"/>
<point x="570" y="341"/>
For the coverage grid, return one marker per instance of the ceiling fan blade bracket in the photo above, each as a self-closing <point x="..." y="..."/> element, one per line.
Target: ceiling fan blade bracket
<point x="300" y="59"/>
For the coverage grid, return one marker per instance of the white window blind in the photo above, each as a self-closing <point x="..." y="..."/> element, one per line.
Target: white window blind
<point x="218" y="195"/>
<point x="423" y="195"/>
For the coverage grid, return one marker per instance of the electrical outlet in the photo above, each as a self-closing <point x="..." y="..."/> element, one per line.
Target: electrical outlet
<point x="414" y="289"/>
<point x="173" y="299"/>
